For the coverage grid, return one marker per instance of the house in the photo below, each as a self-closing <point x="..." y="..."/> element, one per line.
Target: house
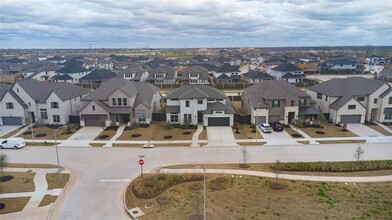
<point x="56" y="59"/>
<point x="42" y="73"/>
<point x="275" y="101"/>
<point x="134" y="74"/>
<point x="195" y="75"/>
<point x="254" y="76"/>
<point x="97" y="77"/>
<point x="120" y="101"/>
<point x="353" y="100"/>
<point x="30" y="100"/>
<point x="74" y="71"/>
<point x="289" y="72"/>
<point x="227" y="74"/>
<point x="162" y="75"/>
<point x="375" y="60"/>
<point x="196" y="104"/>
<point x="339" y="66"/>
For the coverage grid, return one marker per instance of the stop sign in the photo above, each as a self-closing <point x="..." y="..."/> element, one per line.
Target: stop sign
<point x="141" y="162"/>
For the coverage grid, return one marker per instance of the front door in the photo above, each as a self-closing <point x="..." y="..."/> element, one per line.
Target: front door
<point x="373" y="116"/>
<point x="291" y="117"/>
<point x="126" y="118"/>
<point x="200" y="116"/>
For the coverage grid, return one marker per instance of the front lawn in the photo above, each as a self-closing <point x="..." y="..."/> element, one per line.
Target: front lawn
<point x="21" y="182"/>
<point x="245" y="131"/>
<point x="13" y="204"/>
<point x="329" y="130"/>
<point x="47" y="132"/>
<point x="380" y="130"/>
<point x="107" y="133"/>
<point x="156" y="132"/>
<point x="54" y="181"/>
<point x="248" y="197"/>
<point x="292" y="132"/>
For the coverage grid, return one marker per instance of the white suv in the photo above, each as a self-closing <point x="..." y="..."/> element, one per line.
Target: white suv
<point x="265" y="127"/>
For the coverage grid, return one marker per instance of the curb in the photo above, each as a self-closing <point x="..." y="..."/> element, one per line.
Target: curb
<point x="49" y="216"/>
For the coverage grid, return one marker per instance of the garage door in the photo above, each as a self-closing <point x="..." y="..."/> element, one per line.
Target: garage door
<point x="12" y="121"/>
<point x="350" y="119"/>
<point x="219" y="121"/>
<point x="260" y="119"/>
<point x="94" y="120"/>
<point x="273" y="118"/>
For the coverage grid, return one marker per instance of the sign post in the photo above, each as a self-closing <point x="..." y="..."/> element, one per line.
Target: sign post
<point x="141" y="163"/>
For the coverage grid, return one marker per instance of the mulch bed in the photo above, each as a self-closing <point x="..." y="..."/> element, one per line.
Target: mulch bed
<point x="144" y="125"/>
<point x="40" y="135"/>
<point x="26" y="132"/>
<point x="320" y="132"/>
<point x="296" y="135"/>
<point x="186" y="133"/>
<point x="276" y="186"/>
<point x="2" y="206"/>
<point x="136" y="135"/>
<point x="344" y="130"/>
<point x="103" y="136"/>
<point x="244" y="165"/>
<point x="195" y="186"/>
<point x="168" y="137"/>
<point x="6" y="178"/>
<point x="111" y="128"/>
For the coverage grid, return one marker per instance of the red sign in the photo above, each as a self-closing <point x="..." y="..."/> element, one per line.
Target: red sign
<point x="141" y="162"/>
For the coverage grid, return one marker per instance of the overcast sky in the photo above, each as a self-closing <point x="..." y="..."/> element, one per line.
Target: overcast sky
<point x="193" y="23"/>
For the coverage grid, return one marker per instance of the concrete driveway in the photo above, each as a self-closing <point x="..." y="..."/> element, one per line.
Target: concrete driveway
<point x="83" y="137"/>
<point x="7" y="129"/>
<point x="363" y="130"/>
<point x="278" y="138"/>
<point x="220" y="136"/>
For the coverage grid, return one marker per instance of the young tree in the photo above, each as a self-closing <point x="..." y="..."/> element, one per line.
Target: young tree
<point x="135" y="126"/>
<point x="186" y="122"/>
<point x="244" y="157"/>
<point x="321" y="119"/>
<point x="358" y="153"/>
<point x="3" y="163"/>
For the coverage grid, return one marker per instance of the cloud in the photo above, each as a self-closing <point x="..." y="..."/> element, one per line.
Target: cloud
<point x="198" y="23"/>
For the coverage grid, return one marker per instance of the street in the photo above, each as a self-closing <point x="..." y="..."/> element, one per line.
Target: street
<point x="100" y="175"/>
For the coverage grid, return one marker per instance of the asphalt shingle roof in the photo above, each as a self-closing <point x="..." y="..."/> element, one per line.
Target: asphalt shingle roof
<point x="72" y="67"/>
<point x="217" y="106"/>
<point x="99" y="74"/>
<point x="227" y="68"/>
<point x="169" y="71"/>
<point x="203" y="72"/>
<point x="3" y="89"/>
<point x="40" y="91"/>
<point x="257" y="75"/>
<point x="196" y="91"/>
<point x="285" y="67"/>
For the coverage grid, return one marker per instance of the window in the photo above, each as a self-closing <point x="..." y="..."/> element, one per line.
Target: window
<point x="302" y="102"/>
<point x="390" y="100"/>
<point x="125" y="102"/>
<point x="186" y="103"/>
<point x="142" y="115"/>
<point x="56" y="118"/>
<point x="44" y="113"/>
<point x="187" y="118"/>
<point x="361" y="98"/>
<point x="326" y="98"/>
<point x="9" y="105"/>
<point x="119" y="101"/>
<point x="388" y="115"/>
<point x="292" y="103"/>
<point x="375" y="101"/>
<point x="29" y="104"/>
<point x="174" y="118"/>
<point x="319" y="95"/>
<point x="200" y="102"/>
<point x="352" y="106"/>
<point x="114" y="101"/>
<point x="93" y="107"/>
<point x="275" y="103"/>
<point x="17" y="90"/>
<point x="54" y="104"/>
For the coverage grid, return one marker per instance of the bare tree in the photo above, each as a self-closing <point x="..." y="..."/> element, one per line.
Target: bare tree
<point x="244" y="157"/>
<point x="358" y="153"/>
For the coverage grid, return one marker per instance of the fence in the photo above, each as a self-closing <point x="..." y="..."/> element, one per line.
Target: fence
<point x="74" y="119"/>
<point x="159" y="116"/>
<point x="243" y="119"/>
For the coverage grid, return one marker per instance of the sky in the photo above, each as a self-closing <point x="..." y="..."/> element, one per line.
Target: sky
<point x="193" y="23"/>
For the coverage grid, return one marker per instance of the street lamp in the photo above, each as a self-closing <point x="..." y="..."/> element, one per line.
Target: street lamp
<point x="256" y="113"/>
<point x="204" y="200"/>
<point x="57" y="151"/>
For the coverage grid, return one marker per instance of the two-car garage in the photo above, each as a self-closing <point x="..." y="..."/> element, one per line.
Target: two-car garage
<point x="12" y="120"/>
<point x="218" y="121"/>
<point x="347" y="119"/>
<point x="94" y="120"/>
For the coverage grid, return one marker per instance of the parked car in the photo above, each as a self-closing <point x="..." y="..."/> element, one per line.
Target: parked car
<point x="265" y="127"/>
<point x="277" y="126"/>
<point x="15" y="143"/>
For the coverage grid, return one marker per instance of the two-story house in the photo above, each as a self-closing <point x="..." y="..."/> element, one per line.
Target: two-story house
<point x="42" y="73"/>
<point x="120" y="101"/>
<point x="72" y="72"/>
<point x="227" y="74"/>
<point x="96" y="78"/>
<point x="195" y="75"/>
<point x="339" y="65"/>
<point x="12" y="109"/>
<point x="163" y="75"/>
<point x="195" y="104"/>
<point x="30" y="100"/>
<point x="134" y="74"/>
<point x="289" y="72"/>
<point x="254" y="76"/>
<point x="275" y="101"/>
<point x="353" y="99"/>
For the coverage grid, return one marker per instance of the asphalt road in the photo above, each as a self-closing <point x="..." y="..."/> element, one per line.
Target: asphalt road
<point x="100" y="175"/>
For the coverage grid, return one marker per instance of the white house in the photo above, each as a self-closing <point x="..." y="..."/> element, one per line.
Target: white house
<point x="134" y="74"/>
<point x="47" y="102"/>
<point x="353" y="100"/>
<point x="195" y="75"/>
<point x="196" y="104"/>
<point x="289" y="72"/>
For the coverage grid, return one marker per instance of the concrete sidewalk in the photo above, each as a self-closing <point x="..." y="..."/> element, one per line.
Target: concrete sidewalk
<point x="114" y="138"/>
<point x="343" y="179"/>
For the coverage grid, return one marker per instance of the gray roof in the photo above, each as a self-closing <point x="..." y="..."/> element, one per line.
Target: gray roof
<point x="40" y="91"/>
<point x="203" y="72"/>
<point x="292" y="76"/>
<point x="223" y="76"/>
<point x="169" y="71"/>
<point x="217" y="106"/>
<point x="388" y="91"/>
<point x="386" y="72"/>
<point x="132" y="70"/>
<point x="252" y="74"/>
<point x="142" y="90"/>
<point x="195" y="92"/>
<point x="308" y="110"/>
<point x="62" y="77"/>
<point x="272" y="90"/>
<point x="41" y="69"/>
<point x="99" y="74"/>
<point x="72" y="67"/>
<point x="3" y="89"/>
<point x="228" y="68"/>
<point x="287" y="67"/>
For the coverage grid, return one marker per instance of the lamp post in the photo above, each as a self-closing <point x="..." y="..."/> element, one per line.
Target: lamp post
<point x="57" y="151"/>
<point x="31" y="126"/>
<point x="204" y="200"/>
<point x="257" y="124"/>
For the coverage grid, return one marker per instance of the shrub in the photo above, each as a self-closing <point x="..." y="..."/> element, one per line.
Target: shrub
<point x="136" y="135"/>
<point x="186" y="133"/>
<point x="167" y="125"/>
<point x="320" y="132"/>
